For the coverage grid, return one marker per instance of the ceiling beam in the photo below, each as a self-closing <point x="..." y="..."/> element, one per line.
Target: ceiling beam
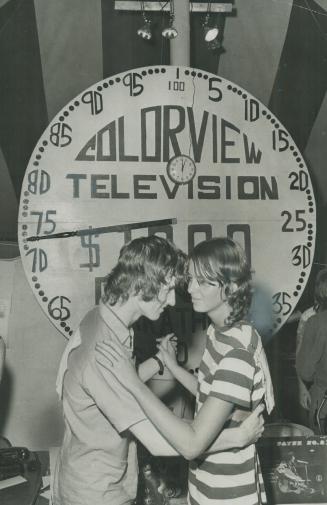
<point x="135" y="5"/>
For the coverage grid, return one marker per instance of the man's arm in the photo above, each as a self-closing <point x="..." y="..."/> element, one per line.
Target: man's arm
<point x="185" y="378"/>
<point x="2" y="356"/>
<point x="230" y="438"/>
<point x="125" y="413"/>
<point x="190" y="440"/>
<point x="249" y="431"/>
<point x="304" y="394"/>
<point x="311" y="349"/>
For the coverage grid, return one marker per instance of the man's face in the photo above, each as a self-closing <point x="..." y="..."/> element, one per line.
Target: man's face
<point x="207" y="296"/>
<point x="154" y="308"/>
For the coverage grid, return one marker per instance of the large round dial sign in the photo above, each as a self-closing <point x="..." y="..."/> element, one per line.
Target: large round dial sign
<point x="169" y="150"/>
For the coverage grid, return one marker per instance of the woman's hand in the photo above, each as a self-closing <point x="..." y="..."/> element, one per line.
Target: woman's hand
<point x="162" y="343"/>
<point x="167" y="349"/>
<point x="252" y="427"/>
<point x="112" y="356"/>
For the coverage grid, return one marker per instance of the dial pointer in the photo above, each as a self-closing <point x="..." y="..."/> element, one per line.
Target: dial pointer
<point x="104" y="229"/>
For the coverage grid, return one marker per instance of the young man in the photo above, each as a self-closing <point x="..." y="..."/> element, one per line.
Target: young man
<point x="311" y="357"/>
<point x="95" y="464"/>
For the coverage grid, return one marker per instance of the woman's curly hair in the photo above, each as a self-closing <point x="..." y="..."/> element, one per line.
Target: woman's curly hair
<point x="144" y="264"/>
<point x="223" y="260"/>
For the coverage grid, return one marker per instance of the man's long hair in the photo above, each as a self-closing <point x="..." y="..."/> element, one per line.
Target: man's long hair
<point x="222" y="260"/>
<point x="143" y="266"/>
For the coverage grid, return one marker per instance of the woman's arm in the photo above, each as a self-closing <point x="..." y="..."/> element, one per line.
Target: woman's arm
<point x="188" y="380"/>
<point x="168" y="354"/>
<point x="190" y="440"/>
<point x="150" y="367"/>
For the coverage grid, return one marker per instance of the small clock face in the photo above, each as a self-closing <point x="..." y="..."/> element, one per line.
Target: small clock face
<point x="102" y="162"/>
<point x="181" y="169"/>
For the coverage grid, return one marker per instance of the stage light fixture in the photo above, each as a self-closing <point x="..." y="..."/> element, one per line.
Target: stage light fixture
<point x="213" y="27"/>
<point x="170" y="32"/>
<point x="210" y="28"/>
<point x="145" y="30"/>
<point x="210" y="33"/>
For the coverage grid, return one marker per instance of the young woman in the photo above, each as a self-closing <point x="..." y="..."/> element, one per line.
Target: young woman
<point x="233" y="379"/>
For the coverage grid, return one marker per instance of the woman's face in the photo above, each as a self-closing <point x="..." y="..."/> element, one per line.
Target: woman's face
<point x="207" y="296"/>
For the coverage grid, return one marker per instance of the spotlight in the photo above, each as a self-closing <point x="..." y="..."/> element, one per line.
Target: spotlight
<point x="145" y="30"/>
<point x="170" y="31"/>
<point x="210" y="33"/>
<point x="211" y="30"/>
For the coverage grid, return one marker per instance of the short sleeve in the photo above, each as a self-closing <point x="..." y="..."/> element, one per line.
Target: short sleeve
<point x="233" y="379"/>
<point x="116" y="403"/>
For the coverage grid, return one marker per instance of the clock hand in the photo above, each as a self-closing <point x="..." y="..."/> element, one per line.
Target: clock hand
<point x="104" y="229"/>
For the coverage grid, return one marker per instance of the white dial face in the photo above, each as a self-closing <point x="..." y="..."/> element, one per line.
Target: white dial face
<point x="181" y="169"/>
<point x="103" y="162"/>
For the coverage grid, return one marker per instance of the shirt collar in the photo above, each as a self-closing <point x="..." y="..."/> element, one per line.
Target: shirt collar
<point x="122" y="332"/>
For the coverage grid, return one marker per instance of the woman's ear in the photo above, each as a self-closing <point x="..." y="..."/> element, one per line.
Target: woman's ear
<point x="233" y="287"/>
<point x="230" y="288"/>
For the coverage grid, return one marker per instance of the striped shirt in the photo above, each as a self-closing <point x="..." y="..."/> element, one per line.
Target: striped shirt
<point x="229" y="372"/>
